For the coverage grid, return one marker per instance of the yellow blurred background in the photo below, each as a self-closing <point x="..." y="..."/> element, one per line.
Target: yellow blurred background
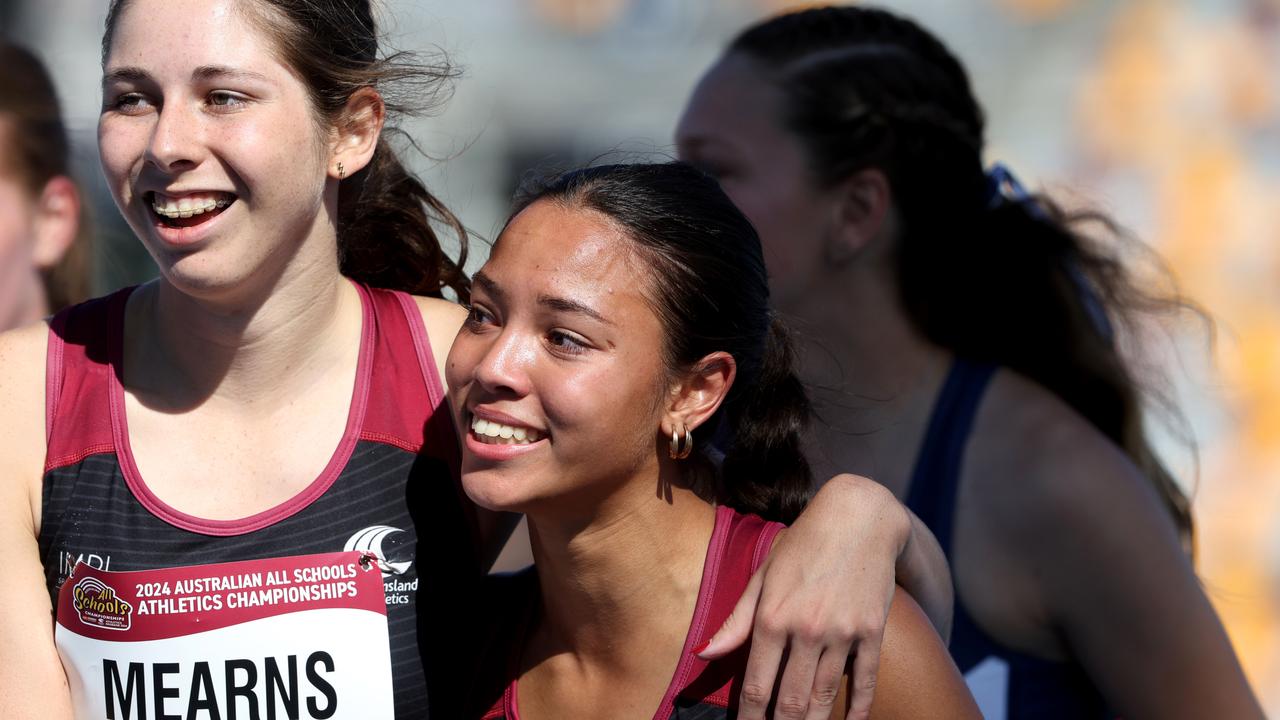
<point x="1164" y="113"/>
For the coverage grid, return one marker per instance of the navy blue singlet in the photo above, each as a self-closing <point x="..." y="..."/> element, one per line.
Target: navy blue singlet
<point x="1007" y="684"/>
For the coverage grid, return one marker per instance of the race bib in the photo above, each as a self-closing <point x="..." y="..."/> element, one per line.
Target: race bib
<point x="294" y="637"/>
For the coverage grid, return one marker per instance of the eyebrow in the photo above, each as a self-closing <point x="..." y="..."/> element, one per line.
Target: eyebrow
<point x="573" y="306"/>
<point x="210" y="72"/>
<point x="554" y="302"/>
<point x="202" y="73"/>
<point x="125" y="74"/>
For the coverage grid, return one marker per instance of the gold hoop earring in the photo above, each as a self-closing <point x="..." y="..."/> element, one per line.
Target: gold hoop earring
<point x="342" y="172"/>
<point x="679" y="450"/>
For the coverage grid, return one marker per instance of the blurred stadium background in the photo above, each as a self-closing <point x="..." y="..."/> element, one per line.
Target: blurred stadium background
<point x="1164" y="113"/>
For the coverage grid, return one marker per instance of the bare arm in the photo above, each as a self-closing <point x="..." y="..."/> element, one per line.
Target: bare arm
<point x="822" y="596"/>
<point x="32" y="682"/>
<point x="923" y="572"/>
<point x="1123" y="594"/>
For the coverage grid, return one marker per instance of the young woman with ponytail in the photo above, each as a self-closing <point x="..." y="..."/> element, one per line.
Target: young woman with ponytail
<point x="627" y="387"/>
<point x="958" y="343"/>
<point x="277" y="391"/>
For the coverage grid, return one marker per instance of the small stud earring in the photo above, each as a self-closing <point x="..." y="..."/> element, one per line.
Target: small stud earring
<point x="342" y="172"/>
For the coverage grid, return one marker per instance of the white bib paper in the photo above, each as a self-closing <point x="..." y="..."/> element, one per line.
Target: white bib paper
<point x="295" y="637"/>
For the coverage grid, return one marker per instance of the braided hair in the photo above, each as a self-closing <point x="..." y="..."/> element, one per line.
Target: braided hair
<point x="1014" y="283"/>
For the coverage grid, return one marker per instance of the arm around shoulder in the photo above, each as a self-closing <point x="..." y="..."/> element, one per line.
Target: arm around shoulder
<point x="32" y="682"/>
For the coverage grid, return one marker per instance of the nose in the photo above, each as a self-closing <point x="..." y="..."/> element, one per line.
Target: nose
<point x="503" y="369"/>
<point x="176" y="139"/>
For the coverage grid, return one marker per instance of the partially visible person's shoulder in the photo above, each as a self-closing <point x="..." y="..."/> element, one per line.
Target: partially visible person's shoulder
<point x="917" y="677"/>
<point x="22" y="405"/>
<point x="1034" y="459"/>
<point x="442" y="319"/>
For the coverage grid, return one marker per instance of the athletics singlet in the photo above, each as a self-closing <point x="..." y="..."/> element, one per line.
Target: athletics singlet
<point x="1008" y="685"/>
<point x="389" y="490"/>
<point x="699" y="689"/>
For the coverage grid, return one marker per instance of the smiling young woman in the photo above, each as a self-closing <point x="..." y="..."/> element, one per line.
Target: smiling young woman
<point x="629" y="390"/>
<point x="276" y="395"/>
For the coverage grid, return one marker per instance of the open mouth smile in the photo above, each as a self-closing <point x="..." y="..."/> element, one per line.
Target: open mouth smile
<point x="188" y="210"/>
<point x="494" y="433"/>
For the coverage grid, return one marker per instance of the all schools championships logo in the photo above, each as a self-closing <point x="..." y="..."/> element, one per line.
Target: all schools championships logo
<point x="98" y="605"/>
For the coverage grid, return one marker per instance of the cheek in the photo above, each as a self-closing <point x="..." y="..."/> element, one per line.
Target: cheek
<point x="16" y="231"/>
<point x="121" y="145"/>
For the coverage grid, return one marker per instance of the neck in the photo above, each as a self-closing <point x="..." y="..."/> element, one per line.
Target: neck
<point x="857" y="339"/>
<point x="28" y="303"/>
<point x="871" y="375"/>
<point x="627" y="578"/>
<point x="247" y="350"/>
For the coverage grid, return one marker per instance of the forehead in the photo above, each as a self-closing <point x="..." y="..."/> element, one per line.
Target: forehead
<point x="735" y="98"/>
<point x="572" y="252"/>
<point x="160" y="35"/>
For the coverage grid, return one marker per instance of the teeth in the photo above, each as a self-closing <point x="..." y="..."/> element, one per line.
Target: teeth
<point x="188" y="206"/>
<point x="499" y="434"/>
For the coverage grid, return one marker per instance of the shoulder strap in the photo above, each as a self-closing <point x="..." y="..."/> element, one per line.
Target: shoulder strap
<point x="77" y="381"/>
<point x="932" y="493"/>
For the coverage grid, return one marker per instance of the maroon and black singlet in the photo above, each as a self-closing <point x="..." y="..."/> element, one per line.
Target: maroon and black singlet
<point x="389" y="488"/>
<point x="699" y="689"/>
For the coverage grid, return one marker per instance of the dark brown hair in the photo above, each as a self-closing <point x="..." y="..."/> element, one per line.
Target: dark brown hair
<point x="386" y="216"/>
<point x="1010" y="281"/>
<point x="33" y="135"/>
<point x="708" y="286"/>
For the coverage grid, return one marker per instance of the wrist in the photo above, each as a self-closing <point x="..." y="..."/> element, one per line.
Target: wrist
<point x="875" y="508"/>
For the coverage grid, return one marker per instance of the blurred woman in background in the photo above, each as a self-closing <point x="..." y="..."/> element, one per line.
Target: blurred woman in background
<point x="961" y="350"/>
<point x="44" y="250"/>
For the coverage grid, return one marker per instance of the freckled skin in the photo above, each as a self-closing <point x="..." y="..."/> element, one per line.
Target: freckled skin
<point x="184" y="133"/>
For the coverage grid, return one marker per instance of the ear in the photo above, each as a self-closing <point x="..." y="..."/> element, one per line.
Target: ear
<point x="862" y="203"/>
<point x="57" y="220"/>
<point x="697" y="395"/>
<point x="356" y="134"/>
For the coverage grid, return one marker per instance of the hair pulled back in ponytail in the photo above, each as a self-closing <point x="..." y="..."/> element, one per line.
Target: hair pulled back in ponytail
<point x="708" y="287"/>
<point x="386" y="216"/>
<point x="993" y="279"/>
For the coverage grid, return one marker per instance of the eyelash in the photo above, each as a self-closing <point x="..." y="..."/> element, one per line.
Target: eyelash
<point x="231" y="101"/>
<point x="127" y="103"/>
<point x="559" y="341"/>
<point x="571" y="346"/>
<point x="131" y="103"/>
<point x="476" y="316"/>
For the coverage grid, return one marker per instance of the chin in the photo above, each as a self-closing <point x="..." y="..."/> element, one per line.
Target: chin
<point x="492" y="491"/>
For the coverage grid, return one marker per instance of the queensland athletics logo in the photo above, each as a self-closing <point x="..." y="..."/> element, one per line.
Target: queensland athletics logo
<point x="395" y="554"/>
<point x="97" y="604"/>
